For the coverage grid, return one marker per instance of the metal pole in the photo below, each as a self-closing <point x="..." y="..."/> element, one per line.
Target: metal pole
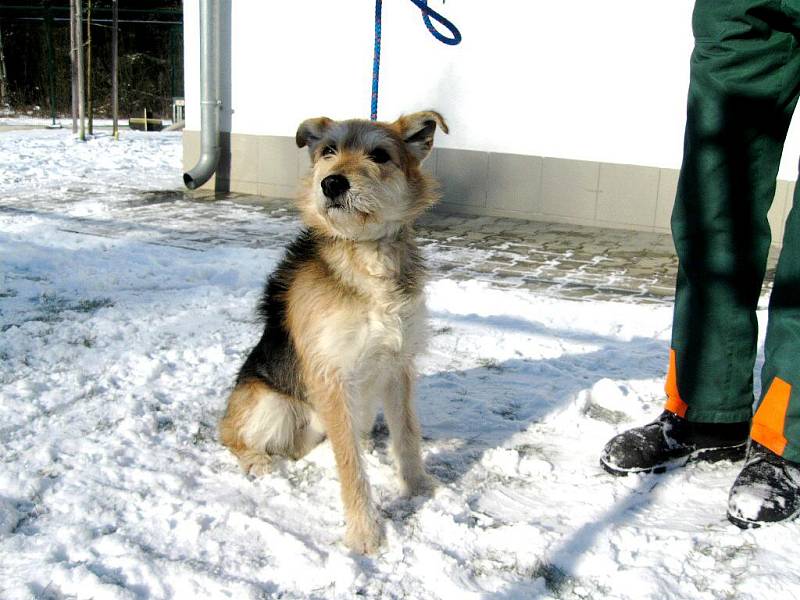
<point x="73" y="61"/>
<point x="89" y="103"/>
<point x="51" y="69"/>
<point x="81" y="72"/>
<point x="114" y="66"/>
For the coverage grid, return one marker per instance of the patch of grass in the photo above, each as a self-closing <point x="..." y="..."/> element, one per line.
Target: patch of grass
<point x="535" y="450"/>
<point x="556" y="580"/>
<point x="93" y="304"/>
<point x="165" y="424"/>
<point x="51" y="306"/>
<point x="508" y="411"/>
<point x="491" y="364"/>
<point x="50" y="302"/>
<point x="600" y="413"/>
<point x="203" y="435"/>
<point x="84" y="340"/>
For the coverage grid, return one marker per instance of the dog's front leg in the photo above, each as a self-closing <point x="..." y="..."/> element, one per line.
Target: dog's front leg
<point x="405" y="433"/>
<point x="364" y="525"/>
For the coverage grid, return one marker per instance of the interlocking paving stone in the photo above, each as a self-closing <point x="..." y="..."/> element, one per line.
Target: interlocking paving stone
<point x="569" y="261"/>
<point x="586" y="263"/>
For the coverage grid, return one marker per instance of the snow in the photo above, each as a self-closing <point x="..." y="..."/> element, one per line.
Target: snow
<point x="8" y="119"/>
<point x="752" y="499"/>
<point x="124" y="316"/>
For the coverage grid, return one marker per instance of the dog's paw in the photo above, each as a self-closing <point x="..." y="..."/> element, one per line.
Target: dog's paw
<point x="420" y="485"/>
<point x="365" y="535"/>
<point x="256" y="464"/>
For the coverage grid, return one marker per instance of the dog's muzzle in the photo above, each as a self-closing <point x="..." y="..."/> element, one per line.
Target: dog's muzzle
<point x="333" y="186"/>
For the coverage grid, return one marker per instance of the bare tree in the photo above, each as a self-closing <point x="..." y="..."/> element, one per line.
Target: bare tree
<point x="51" y="60"/>
<point x="3" y="77"/>
<point x="81" y="71"/>
<point x="114" y="66"/>
<point x="73" y="59"/>
<point x="89" y="103"/>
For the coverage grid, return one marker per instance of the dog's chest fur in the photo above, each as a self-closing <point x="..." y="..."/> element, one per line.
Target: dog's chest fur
<point x="381" y="315"/>
<point x="373" y="334"/>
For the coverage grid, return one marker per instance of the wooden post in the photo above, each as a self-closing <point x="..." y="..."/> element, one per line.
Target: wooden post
<point x="114" y="66"/>
<point x="81" y="72"/>
<point x="89" y="103"/>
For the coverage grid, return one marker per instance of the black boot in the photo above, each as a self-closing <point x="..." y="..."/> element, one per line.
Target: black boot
<point x="671" y="441"/>
<point x="766" y="491"/>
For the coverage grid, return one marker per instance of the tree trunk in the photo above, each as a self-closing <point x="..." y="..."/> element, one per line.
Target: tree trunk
<point x="73" y="59"/>
<point x="81" y="71"/>
<point x="114" y="66"/>
<point x="51" y="61"/>
<point x="4" y="101"/>
<point x="89" y="103"/>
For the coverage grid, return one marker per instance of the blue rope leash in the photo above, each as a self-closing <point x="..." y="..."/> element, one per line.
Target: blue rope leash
<point x="376" y="61"/>
<point x="427" y="14"/>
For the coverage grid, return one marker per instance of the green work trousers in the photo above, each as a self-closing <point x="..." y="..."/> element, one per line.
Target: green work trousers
<point x="744" y="85"/>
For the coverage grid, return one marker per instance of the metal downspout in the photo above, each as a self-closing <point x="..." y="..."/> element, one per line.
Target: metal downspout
<point x="210" y="103"/>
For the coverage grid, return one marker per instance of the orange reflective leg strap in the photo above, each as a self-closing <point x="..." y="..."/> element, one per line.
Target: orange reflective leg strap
<point x="674" y="402"/>
<point x="770" y="418"/>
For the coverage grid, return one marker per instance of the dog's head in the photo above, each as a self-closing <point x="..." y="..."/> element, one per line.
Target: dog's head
<point x="366" y="181"/>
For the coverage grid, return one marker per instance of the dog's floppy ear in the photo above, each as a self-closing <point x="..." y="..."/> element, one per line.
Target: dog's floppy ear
<point x="311" y="131"/>
<point x="417" y="131"/>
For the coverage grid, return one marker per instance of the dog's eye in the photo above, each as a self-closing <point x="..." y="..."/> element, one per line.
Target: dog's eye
<point x="379" y="155"/>
<point x="328" y="150"/>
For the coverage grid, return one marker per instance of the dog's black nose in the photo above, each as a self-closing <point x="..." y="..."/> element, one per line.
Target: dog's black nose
<point x="335" y="185"/>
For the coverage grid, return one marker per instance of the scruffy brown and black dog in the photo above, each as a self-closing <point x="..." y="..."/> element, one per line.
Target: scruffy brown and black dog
<point x="344" y="314"/>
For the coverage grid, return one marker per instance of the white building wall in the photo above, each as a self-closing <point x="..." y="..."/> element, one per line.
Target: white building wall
<point x="577" y="79"/>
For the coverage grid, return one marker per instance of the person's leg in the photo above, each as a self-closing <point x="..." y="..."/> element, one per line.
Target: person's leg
<point x="768" y="488"/>
<point x="776" y="424"/>
<point x="738" y="114"/>
<point x="739" y="111"/>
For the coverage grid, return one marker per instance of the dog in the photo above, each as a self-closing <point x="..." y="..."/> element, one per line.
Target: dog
<point x="344" y="315"/>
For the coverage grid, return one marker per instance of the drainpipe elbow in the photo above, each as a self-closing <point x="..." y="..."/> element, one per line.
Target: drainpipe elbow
<point x="203" y="170"/>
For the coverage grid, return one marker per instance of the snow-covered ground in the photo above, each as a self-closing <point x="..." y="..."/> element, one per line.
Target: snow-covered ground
<point x="123" y="318"/>
<point x="20" y="120"/>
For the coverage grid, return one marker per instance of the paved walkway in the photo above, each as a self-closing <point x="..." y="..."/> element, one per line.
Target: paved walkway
<point x="568" y="261"/>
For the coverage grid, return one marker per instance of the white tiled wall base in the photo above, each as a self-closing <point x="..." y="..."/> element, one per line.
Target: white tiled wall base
<point x="487" y="183"/>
